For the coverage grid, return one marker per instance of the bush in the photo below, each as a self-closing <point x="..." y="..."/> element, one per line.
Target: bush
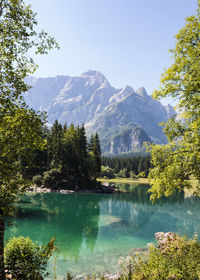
<point x="37" y="180"/>
<point x="25" y="260"/>
<point x="175" y="259"/>
<point x="142" y="175"/>
<point x="107" y="172"/>
<point x="123" y="173"/>
<point x="51" y="178"/>
<point x="132" y="175"/>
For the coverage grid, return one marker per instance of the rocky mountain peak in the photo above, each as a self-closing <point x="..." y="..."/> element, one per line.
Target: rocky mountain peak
<point x="128" y="89"/>
<point x="113" y="113"/>
<point x="121" y="94"/>
<point x="94" y="74"/>
<point x="142" y="92"/>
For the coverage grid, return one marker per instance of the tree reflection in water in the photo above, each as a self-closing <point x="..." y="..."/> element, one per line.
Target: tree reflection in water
<point x="92" y="220"/>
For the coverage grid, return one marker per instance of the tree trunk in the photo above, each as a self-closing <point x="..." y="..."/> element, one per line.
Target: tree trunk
<point x="2" y="229"/>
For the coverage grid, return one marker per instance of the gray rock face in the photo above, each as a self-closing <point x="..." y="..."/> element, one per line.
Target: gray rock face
<point x="170" y="111"/>
<point x="43" y="91"/>
<point x="129" y="140"/>
<point x="113" y="113"/>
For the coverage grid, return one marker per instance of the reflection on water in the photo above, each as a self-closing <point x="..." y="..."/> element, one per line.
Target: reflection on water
<point x="93" y="230"/>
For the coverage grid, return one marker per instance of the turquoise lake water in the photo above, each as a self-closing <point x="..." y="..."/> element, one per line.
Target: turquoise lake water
<point x="94" y="231"/>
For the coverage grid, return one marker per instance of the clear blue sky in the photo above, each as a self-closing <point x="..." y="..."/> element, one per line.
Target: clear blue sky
<point x="127" y="40"/>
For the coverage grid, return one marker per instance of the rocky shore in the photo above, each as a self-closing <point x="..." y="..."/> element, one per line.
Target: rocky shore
<point x="99" y="188"/>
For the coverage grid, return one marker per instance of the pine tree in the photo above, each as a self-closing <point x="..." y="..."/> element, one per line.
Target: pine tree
<point x="96" y="149"/>
<point x="56" y="145"/>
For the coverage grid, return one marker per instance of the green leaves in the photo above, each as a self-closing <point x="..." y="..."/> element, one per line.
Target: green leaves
<point x="24" y="259"/>
<point x="20" y="126"/>
<point x="177" y="161"/>
<point x="178" y="259"/>
<point x="17" y="38"/>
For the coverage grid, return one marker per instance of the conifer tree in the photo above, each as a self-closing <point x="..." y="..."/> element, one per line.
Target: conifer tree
<point x="95" y="148"/>
<point x="56" y="145"/>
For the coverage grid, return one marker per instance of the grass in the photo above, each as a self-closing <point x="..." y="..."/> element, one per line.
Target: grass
<point x="188" y="192"/>
<point x="125" y="180"/>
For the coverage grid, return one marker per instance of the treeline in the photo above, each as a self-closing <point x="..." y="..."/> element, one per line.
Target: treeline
<point x="67" y="161"/>
<point x="126" y="167"/>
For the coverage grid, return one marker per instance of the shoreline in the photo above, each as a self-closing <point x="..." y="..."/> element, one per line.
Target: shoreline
<point x="125" y="181"/>
<point x="108" y="186"/>
<point x="104" y="188"/>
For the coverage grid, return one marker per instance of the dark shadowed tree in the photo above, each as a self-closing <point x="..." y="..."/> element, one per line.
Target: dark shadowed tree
<point x="55" y="149"/>
<point x="95" y="149"/>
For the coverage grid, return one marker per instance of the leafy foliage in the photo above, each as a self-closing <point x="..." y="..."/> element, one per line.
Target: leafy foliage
<point x="179" y="261"/>
<point x="24" y="259"/>
<point x="180" y="158"/>
<point x="37" y="179"/>
<point x="107" y="172"/>
<point x="18" y="37"/>
<point x="20" y="127"/>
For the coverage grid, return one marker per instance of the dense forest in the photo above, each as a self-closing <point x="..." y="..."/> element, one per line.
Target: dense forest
<point x="128" y="167"/>
<point x="67" y="161"/>
<point x="70" y="161"/>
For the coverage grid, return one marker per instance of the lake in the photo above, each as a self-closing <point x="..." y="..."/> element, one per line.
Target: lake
<point x="95" y="231"/>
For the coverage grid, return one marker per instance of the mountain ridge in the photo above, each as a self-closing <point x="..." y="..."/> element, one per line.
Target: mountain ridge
<point x="92" y="100"/>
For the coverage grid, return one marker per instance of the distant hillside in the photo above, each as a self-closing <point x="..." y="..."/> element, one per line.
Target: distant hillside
<point x="124" y="118"/>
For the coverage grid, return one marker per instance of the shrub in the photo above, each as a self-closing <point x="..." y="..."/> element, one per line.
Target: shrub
<point x="37" y="180"/>
<point x="177" y="259"/>
<point x="107" y="172"/>
<point x="123" y="173"/>
<point x="142" y="175"/>
<point x="132" y="175"/>
<point x="51" y="178"/>
<point x="25" y="260"/>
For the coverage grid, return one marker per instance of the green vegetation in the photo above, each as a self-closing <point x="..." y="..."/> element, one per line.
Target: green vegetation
<point x="125" y="167"/>
<point x="20" y="127"/>
<point x="176" y="259"/>
<point x="125" y="180"/>
<point x="68" y="162"/>
<point x="179" y="160"/>
<point x="62" y="158"/>
<point x="24" y="259"/>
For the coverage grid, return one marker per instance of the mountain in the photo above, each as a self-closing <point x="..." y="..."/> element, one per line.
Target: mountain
<point x="124" y="118"/>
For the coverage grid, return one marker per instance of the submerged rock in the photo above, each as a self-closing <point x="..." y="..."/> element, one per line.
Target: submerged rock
<point x="137" y="251"/>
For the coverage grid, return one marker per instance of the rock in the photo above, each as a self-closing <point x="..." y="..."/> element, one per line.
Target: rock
<point x="105" y="188"/>
<point x="164" y="239"/>
<point x="79" y="277"/>
<point x="112" y="276"/>
<point x="124" y="118"/>
<point x="109" y="187"/>
<point x="136" y="251"/>
<point x="66" y="191"/>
